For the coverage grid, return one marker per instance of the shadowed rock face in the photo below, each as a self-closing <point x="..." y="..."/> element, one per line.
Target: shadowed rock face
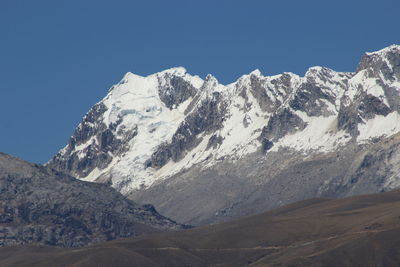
<point x="38" y="205"/>
<point x="383" y="68"/>
<point x="175" y="91"/>
<point x="308" y="99"/>
<point x="208" y="117"/>
<point x="348" y="119"/>
<point x="282" y="123"/>
<point x="103" y="141"/>
<point x="365" y="107"/>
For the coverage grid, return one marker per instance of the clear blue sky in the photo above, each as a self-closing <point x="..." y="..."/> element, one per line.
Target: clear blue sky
<point x="58" y="58"/>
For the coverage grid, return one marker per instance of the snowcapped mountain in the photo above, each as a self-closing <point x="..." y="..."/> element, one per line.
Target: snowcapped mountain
<point x="201" y="151"/>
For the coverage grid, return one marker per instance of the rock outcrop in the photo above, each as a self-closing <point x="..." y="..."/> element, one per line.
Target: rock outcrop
<point x="40" y="206"/>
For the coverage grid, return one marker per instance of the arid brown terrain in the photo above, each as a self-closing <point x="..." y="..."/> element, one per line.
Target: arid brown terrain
<point x="356" y="231"/>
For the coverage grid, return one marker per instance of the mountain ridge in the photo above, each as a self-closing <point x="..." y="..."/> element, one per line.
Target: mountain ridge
<point x="41" y="206"/>
<point x="149" y="131"/>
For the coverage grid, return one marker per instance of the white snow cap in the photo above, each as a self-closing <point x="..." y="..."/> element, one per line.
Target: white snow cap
<point x="136" y="104"/>
<point x="392" y="48"/>
<point x="256" y="72"/>
<point x="176" y="70"/>
<point x="179" y="71"/>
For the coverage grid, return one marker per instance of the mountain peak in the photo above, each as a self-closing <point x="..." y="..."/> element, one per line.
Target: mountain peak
<point x="175" y="71"/>
<point x="210" y="82"/>
<point x="391" y="48"/>
<point x="256" y="72"/>
<point x="385" y="61"/>
<point x="129" y="76"/>
<point x="317" y="69"/>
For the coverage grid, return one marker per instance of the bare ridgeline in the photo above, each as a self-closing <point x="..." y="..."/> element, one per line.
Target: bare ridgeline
<point x="41" y="206"/>
<point x="200" y="153"/>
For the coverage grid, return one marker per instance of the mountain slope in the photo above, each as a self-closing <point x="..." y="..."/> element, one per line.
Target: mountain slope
<point x="38" y="205"/>
<point x="356" y="231"/>
<point x="204" y="152"/>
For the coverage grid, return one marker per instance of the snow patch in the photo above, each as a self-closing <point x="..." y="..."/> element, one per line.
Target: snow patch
<point x="379" y="126"/>
<point x="320" y="134"/>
